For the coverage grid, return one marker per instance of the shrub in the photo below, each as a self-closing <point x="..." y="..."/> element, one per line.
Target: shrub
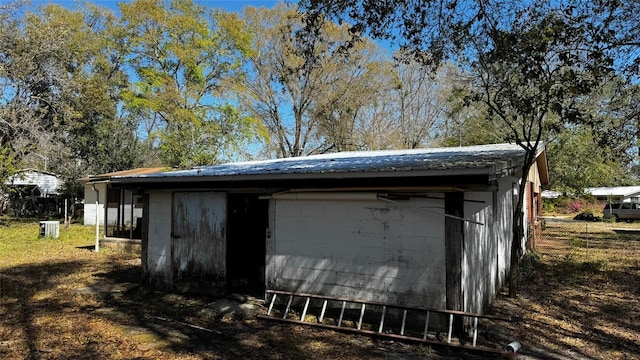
<point x="573" y="205"/>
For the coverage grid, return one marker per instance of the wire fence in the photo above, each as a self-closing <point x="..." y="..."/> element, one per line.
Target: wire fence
<point x="587" y="241"/>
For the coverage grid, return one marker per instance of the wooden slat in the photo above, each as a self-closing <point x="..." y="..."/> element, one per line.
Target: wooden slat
<point x="404" y="321"/>
<point x="384" y="311"/>
<point x="475" y="330"/>
<point x="273" y="300"/>
<point x="324" y="308"/>
<point x="361" y="315"/>
<point x="304" y="311"/>
<point x="426" y="326"/>
<point x="454" y="248"/>
<point x="286" y="311"/>
<point x="344" y="303"/>
<point x="450" y="328"/>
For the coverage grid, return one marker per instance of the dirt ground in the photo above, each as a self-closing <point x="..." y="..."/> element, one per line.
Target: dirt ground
<point x="61" y="300"/>
<point x="580" y="293"/>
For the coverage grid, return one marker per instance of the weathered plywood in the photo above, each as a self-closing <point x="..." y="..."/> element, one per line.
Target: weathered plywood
<point x="479" y="263"/>
<point x="503" y="226"/>
<point x="454" y="247"/>
<point x="199" y="237"/>
<point x="158" y="259"/>
<point x="487" y="247"/>
<point x="370" y="250"/>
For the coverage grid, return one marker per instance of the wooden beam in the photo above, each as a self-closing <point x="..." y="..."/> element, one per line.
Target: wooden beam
<point x="454" y="247"/>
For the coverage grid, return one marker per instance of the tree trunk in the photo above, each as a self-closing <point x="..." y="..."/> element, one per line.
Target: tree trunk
<point x="518" y="223"/>
<point x="516" y="247"/>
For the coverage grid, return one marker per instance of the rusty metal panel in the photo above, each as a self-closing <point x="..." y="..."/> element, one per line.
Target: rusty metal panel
<point x="199" y="237"/>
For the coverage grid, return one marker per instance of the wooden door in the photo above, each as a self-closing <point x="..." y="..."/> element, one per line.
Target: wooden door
<point x="198" y="237"/>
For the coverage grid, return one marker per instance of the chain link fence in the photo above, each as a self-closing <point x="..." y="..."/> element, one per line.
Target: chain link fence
<point x="587" y="241"/>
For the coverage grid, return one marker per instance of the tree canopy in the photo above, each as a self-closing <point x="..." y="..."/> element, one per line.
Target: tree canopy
<point x="182" y="55"/>
<point x="88" y="90"/>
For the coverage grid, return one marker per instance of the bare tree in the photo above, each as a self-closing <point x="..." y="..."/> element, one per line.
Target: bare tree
<point x="357" y="88"/>
<point x="420" y="97"/>
<point x="305" y="90"/>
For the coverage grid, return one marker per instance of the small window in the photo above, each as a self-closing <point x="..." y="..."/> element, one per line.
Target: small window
<point x="626" y="206"/>
<point x="113" y="197"/>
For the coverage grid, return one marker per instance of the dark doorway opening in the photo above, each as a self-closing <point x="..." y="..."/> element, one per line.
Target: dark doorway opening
<point x="247" y="223"/>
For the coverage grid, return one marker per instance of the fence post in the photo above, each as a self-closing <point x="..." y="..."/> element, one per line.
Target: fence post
<point x="587" y="237"/>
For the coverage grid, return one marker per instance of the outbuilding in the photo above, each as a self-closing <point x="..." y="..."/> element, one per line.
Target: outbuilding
<point x="33" y="193"/>
<point x="40" y="183"/>
<point x="423" y="227"/>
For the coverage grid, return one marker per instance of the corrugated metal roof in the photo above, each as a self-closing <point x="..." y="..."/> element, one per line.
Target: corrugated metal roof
<point x="482" y="158"/>
<point x="48" y="183"/>
<point x="624" y="191"/>
<point x="550" y="194"/>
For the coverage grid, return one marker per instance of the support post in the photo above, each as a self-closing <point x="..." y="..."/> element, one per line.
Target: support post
<point x="66" y="214"/>
<point x="454" y="252"/>
<point x="97" y="246"/>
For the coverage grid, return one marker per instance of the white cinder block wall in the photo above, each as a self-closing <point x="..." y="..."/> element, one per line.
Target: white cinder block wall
<point x="370" y="250"/>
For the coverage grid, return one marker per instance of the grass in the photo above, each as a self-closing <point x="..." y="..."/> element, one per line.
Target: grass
<point x="581" y="298"/>
<point x="61" y="300"/>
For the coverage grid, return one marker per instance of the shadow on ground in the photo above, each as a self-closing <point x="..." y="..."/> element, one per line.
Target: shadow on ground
<point x="571" y="307"/>
<point x="93" y="308"/>
<point x="27" y="297"/>
<point x="86" y="309"/>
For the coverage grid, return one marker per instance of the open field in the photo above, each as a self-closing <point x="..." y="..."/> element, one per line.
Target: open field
<point x="61" y="300"/>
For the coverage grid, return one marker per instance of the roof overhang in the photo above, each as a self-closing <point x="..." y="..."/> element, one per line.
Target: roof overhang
<point x="303" y="177"/>
<point x="466" y="166"/>
<point x="543" y="165"/>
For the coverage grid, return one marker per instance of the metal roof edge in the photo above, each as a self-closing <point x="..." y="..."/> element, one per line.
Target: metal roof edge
<point x="305" y="176"/>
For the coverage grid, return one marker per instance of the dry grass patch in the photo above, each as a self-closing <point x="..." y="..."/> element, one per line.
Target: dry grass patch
<point x="61" y="300"/>
<point x="580" y="294"/>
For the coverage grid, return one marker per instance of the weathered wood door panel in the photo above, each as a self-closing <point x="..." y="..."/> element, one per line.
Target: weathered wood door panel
<point x="199" y="237"/>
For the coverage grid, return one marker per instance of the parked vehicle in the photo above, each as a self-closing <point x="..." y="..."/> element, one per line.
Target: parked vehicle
<point x="627" y="211"/>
